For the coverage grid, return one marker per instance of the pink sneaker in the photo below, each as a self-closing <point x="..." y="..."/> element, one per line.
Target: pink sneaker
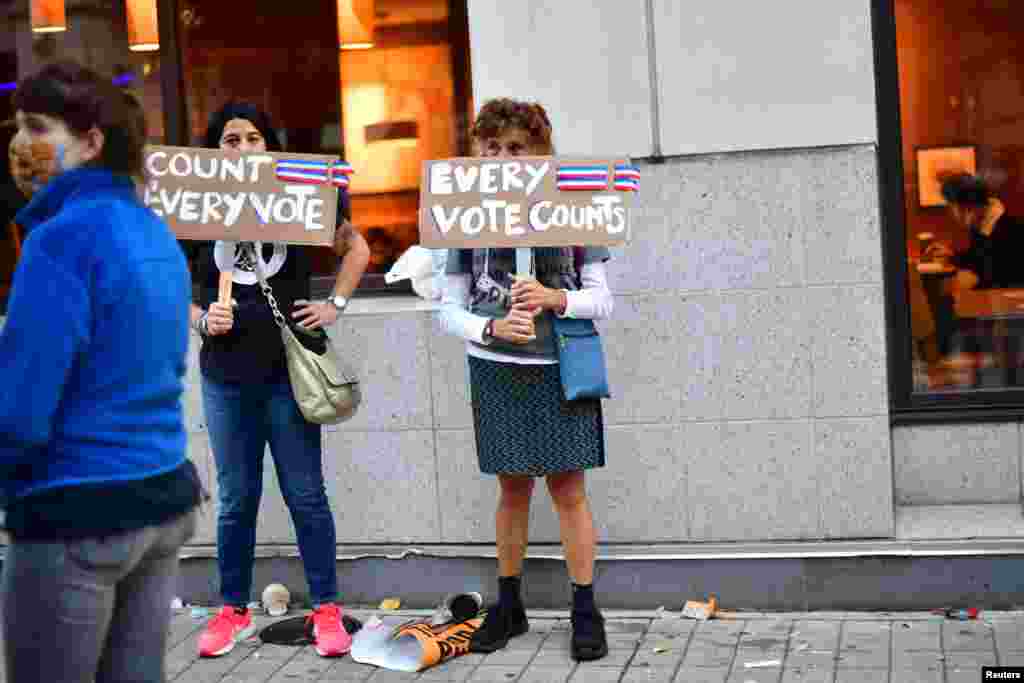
<point x="225" y="630"/>
<point x="329" y="634"/>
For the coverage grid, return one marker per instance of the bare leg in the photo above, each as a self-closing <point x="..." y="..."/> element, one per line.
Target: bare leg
<point x="513" y="522"/>
<point x="569" y="493"/>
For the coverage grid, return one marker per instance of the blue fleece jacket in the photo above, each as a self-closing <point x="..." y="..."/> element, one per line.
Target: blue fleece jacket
<point x="93" y="351"/>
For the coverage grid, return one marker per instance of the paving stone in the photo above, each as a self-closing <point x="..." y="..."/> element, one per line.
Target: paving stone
<point x="605" y="675"/>
<point x="384" y="676"/>
<point x="674" y="625"/>
<point x="614" y="658"/>
<point x="1011" y="658"/>
<point x="923" y="676"/>
<point x="305" y="667"/>
<point x="643" y="674"/>
<point x="818" y="635"/>
<point x="967" y="636"/>
<point x="866" y="636"/>
<point x="754" y="654"/>
<point x="553" y="658"/>
<point x="496" y="674"/>
<point x="910" y="636"/>
<point x="546" y="674"/>
<point x="347" y="671"/>
<point x="724" y="633"/>
<point x="510" y="657"/>
<point x="864" y="676"/>
<point x="1009" y="634"/>
<point x="528" y="640"/>
<point x="448" y="673"/>
<point x="808" y="676"/>
<point x="701" y="675"/>
<point x="863" y="659"/>
<point x="969" y="660"/>
<point x="756" y="676"/>
<point x="925" y="660"/>
<point x="648" y="658"/>
<point x="810" y="660"/>
<point x="708" y="656"/>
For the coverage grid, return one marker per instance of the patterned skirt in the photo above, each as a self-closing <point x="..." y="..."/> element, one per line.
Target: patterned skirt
<point x="524" y="425"/>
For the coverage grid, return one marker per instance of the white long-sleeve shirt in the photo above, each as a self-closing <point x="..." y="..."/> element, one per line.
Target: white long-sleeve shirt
<point x="593" y="301"/>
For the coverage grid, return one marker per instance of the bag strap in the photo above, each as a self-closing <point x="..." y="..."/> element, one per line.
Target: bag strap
<point x="265" y="286"/>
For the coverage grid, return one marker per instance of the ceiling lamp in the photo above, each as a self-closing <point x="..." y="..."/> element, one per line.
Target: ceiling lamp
<point x="143" y="32"/>
<point x="48" y="16"/>
<point x="355" y="24"/>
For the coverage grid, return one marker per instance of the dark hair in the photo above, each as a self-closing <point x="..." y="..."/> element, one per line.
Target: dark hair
<point x="965" y="189"/>
<point x="139" y="114"/>
<point x="242" y="110"/>
<point x="501" y="114"/>
<point x="83" y="100"/>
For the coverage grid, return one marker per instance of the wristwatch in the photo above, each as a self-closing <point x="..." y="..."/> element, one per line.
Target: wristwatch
<point x="488" y="335"/>
<point x="339" y="302"/>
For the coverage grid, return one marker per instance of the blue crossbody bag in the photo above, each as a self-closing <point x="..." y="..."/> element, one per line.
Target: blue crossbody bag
<point x="580" y="354"/>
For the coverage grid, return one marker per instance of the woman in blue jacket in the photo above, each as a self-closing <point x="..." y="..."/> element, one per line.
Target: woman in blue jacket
<point x="98" y="493"/>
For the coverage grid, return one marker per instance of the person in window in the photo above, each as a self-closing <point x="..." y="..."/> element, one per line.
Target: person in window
<point x="996" y="240"/>
<point x="248" y="400"/>
<point x="524" y="427"/>
<point x="98" y="492"/>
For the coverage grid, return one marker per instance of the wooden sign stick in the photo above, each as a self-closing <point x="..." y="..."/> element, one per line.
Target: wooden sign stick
<point x="523" y="258"/>
<point x="224" y="287"/>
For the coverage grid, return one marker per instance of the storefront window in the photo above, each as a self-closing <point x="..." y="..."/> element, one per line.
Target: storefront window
<point x="385" y="103"/>
<point x="961" y="105"/>
<point x="100" y="34"/>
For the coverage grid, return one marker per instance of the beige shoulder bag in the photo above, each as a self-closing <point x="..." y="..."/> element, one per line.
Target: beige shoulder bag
<point x="326" y="390"/>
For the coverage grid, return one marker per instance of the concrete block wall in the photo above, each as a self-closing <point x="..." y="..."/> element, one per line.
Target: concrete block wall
<point x="959" y="464"/>
<point x="747" y="358"/>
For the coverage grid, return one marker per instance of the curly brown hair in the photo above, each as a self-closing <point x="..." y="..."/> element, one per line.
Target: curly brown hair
<point x="503" y="113"/>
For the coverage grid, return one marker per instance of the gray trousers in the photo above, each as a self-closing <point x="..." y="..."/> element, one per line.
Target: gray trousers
<point x="92" y="609"/>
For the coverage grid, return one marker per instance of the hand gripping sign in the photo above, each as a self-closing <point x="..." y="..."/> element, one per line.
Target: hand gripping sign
<point x="213" y="194"/>
<point x="524" y="202"/>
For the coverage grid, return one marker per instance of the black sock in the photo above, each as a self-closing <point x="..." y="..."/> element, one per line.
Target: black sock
<point x="583" y="598"/>
<point x="509" y="592"/>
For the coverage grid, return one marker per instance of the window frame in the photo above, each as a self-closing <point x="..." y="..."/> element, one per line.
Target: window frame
<point x="176" y="115"/>
<point x="906" y="407"/>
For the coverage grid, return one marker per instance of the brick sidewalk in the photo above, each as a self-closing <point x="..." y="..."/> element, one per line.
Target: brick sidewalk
<point x="794" y="648"/>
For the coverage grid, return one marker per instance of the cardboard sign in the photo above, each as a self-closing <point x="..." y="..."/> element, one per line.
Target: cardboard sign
<point x="468" y="203"/>
<point x="212" y="194"/>
<point x="411" y="645"/>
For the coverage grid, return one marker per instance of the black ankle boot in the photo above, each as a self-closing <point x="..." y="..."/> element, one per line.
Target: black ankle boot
<point x="589" y="641"/>
<point x="500" y="624"/>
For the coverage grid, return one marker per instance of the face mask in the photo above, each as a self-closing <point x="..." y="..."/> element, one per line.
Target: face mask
<point x="48" y="162"/>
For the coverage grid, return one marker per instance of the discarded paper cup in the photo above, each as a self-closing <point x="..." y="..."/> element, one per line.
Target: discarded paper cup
<point x="275" y="599"/>
<point x="464" y="606"/>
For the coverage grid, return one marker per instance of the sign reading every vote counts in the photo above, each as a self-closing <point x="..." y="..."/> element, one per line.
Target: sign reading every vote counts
<point x="526" y="202"/>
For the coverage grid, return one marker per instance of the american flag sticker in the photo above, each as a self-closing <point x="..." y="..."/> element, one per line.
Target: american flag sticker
<point x="340" y="172"/>
<point x="299" y="171"/>
<point x="627" y="178"/>
<point x="579" y="178"/>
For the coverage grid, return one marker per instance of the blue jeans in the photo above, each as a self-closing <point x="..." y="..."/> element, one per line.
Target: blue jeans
<point x="241" y="419"/>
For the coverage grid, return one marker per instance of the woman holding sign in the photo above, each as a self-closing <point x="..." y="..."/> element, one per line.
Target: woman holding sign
<point x="249" y="404"/>
<point x="524" y="426"/>
<point x="98" y="492"/>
